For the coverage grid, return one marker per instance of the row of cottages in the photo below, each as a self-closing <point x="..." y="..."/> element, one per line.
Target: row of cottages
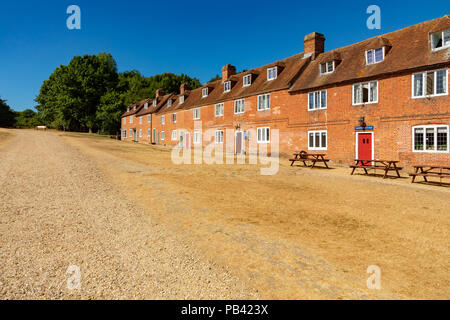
<point x="383" y="98"/>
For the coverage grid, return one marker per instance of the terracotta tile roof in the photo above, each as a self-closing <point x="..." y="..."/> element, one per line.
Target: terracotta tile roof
<point x="132" y="111"/>
<point x="407" y="49"/>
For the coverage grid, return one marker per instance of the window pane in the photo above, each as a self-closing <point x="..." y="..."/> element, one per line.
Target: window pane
<point x="323" y="68"/>
<point x="323" y="98"/>
<point x="379" y="55"/>
<point x="373" y="91"/>
<point x="330" y="66"/>
<point x="317" y="100"/>
<point x="311" y="101"/>
<point x="447" y="37"/>
<point x="430" y="138"/>
<point x="324" y="139"/>
<point x="441" y="81"/>
<point x="357" y="93"/>
<point x="430" y="83"/>
<point x="418" y="85"/>
<point x="370" y="57"/>
<point x="267" y="134"/>
<point x="311" y="140"/>
<point x="365" y="92"/>
<point x="442" y="138"/>
<point x="317" y="140"/>
<point x="418" y="139"/>
<point x="437" y="40"/>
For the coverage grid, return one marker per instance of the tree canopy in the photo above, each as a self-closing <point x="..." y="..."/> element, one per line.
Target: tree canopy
<point x="7" y="115"/>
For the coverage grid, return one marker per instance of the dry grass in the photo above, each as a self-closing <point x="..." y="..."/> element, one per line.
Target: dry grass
<point x="300" y="234"/>
<point x="4" y="136"/>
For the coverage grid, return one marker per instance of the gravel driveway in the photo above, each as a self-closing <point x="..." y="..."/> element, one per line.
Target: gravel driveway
<point x="57" y="210"/>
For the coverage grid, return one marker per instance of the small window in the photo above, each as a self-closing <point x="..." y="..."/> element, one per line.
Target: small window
<point x="196" y="114"/>
<point x="174" y="118"/>
<point x="124" y="134"/>
<point x="131" y="119"/>
<point x="317" y="140"/>
<point x="264" y="102"/>
<point x="430" y="138"/>
<point x="148" y="132"/>
<point x="219" y="137"/>
<point x="326" y="68"/>
<point x="163" y="135"/>
<point x="124" y="120"/>
<point x="163" y="119"/>
<point x="204" y="92"/>
<point x="317" y="100"/>
<point x="155" y="103"/>
<point x="140" y="132"/>
<point x="134" y="108"/>
<point x="146" y="105"/>
<point x="271" y="74"/>
<point x="430" y="83"/>
<point x="365" y="93"/>
<point x="263" y="135"/>
<point x="149" y="118"/>
<point x="374" y="56"/>
<point x="181" y="99"/>
<point x="128" y="109"/>
<point x="227" y="86"/>
<point x="140" y="120"/>
<point x="239" y="106"/>
<point x="247" y="80"/>
<point x="174" y="135"/>
<point x="218" y="110"/>
<point x="440" y="40"/>
<point x="197" y="137"/>
<point x="169" y="103"/>
<point x="131" y="133"/>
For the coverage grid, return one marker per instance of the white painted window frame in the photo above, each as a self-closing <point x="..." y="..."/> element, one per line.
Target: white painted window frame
<point x="442" y="34"/>
<point x="320" y="100"/>
<point x="321" y="147"/>
<point x="373" y="50"/>
<point x="196" y="134"/>
<point x="162" y="135"/>
<point x="174" y="118"/>
<point x="247" y="81"/>
<point x="272" y="73"/>
<point x="364" y="103"/>
<point x="163" y="120"/>
<point x="236" y="102"/>
<point x="267" y="134"/>
<point x="326" y="64"/>
<point x="174" y="135"/>
<point x="194" y="114"/>
<point x="221" y="107"/>
<point x="227" y="86"/>
<point x="435" y="127"/>
<point x="424" y="82"/>
<point x="204" y="92"/>
<point x="131" y="119"/>
<point x="218" y="137"/>
<point x="267" y="106"/>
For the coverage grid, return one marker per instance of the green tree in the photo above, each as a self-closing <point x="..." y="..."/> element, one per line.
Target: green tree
<point x="7" y="115"/>
<point x="27" y="119"/>
<point x="109" y="112"/>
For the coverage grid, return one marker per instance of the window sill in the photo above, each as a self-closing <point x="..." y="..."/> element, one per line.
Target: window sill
<point x="429" y="151"/>
<point x="431" y="96"/>
<point x="318" y="109"/>
<point x="363" y="104"/>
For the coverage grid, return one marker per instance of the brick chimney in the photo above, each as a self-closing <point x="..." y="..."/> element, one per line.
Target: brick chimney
<point x="183" y="88"/>
<point x="159" y="93"/>
<point x="227" y="71"/>
<point x="314" y="44"/>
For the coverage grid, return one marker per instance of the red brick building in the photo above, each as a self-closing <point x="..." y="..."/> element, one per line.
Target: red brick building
<point x="383" y="98"/>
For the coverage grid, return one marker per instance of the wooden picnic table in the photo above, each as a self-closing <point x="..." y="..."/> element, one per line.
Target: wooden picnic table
<point x="430" y="171"/>
<point x="385" y="165"/>
<point x="302" y="156"/>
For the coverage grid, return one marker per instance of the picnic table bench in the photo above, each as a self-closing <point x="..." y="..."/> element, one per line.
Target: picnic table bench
<point x="302" y="156"/>
<point x="427" y="171"/>
<point x="385" y="165"/>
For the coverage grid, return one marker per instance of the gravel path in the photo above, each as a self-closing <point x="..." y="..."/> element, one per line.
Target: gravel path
<point x="57" y="210"/>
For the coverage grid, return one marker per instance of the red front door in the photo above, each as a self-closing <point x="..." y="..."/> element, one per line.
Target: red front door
<point x="365" y="146"/>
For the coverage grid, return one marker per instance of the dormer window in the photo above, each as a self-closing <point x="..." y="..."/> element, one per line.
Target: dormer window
<point x="169" y="103"/>
<point x="227" y="86"/>
<point x="204" y="92"/>
<point x="247" y="80"/>
<point x="181" y="100"/>
<point x="271" y="74"/>
<point x="146" y="105"/>
<point x="374" y="56"/>
<point x="134" y="108"/>
<point x="128" y="109"/>
<point x="327" y="67"/>
<point x="440" y="40"/>
<point x="155" y="103"/>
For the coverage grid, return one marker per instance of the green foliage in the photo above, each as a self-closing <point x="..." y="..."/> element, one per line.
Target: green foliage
<point x="89" y="94"/>
<point x="7" y="116"/>
<point x="27" y="119"/>
<point x="217" y="77"/>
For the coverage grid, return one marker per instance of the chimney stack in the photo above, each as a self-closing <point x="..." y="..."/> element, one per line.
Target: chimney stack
<point x="227" y="71"/>
<point x="183" y="88"/>
<point x="314" y="44"/>
<point x="159" y="93"/>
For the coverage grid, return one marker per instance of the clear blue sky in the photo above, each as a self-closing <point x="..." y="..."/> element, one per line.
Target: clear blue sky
<point x="194" y="37"/>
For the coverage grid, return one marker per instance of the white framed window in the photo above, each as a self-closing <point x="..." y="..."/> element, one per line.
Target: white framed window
<point x="174" y="135"/>
<point x="204" y="92"/>
<point x="148" y="132"/>
<point x="163" y="135"/>
<point x="197" y="137"/>
<point x="134" y="108"/>
<point x="227" y="86"/>
<point x="317" y="140"/>
<point x="196" y="114"/>
<point x="169" y="103"/>
<point x="140" y="132"/>
<point x="374" y="56"/>
<point x="146" y="106"/>
<point x="430" y="83"/>
<point x="365" y="93"/>
<point x="263" y="135"/>
<point x="327" y="67"/>
<point x="124" y="120"/>
<point x="174" y="118"/>
<point x="239" y="106"/>
<point x="149" y="118"/>
<point x="218" y="109"/>
<point x="131" y="133"/>
<point x="264" y="102"/>
<point x="430" y="138"/>
<point x="124" y="134"/>
<point x="181" y="100"/>
<point x="155" y="103"/>
<point x="440" y="40"/>
<point x="317" y="100"/>
<point x="271" y="73"/>
<point x="131" y="119"/>
<point x="219" y="137"/>
<point x="128" y="109"/>
<point x="140" y="120"/>
<point x="247" y="80"/>
<point x="163" y="119"/>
